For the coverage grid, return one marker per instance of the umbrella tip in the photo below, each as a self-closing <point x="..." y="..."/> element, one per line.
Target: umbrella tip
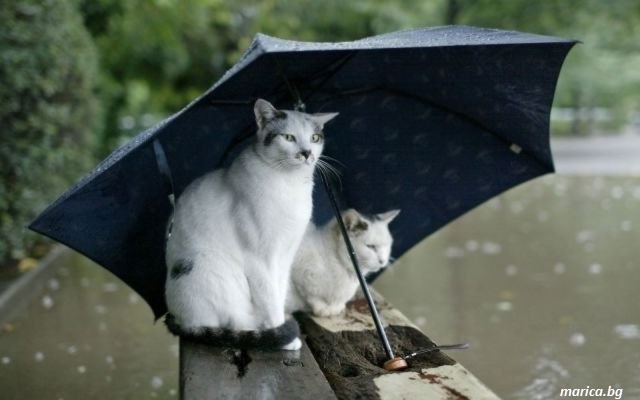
<point x="395" y="364"/>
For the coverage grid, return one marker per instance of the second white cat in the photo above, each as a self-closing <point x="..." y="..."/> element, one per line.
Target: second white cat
<point x="322" y="276"/>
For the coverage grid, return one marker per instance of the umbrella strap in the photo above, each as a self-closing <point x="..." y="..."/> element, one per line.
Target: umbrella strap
<point x="164" y="169"/>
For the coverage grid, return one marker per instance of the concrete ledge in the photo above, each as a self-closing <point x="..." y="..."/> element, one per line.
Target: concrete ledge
<point x="349" y="353"/>
<point x="218" y="373"/>
<point x="341" y="358"/>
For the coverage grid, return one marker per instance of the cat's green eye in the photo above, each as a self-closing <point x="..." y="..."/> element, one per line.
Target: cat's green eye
<point x="372" y="246"/>
<point x="289" y="138"/>
<point x="316" y="138"/>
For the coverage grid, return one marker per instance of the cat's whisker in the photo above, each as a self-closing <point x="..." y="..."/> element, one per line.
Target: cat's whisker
<point x="327" y="169"/>
<point x="324" y="156"/>
<point x="328" y="166"/>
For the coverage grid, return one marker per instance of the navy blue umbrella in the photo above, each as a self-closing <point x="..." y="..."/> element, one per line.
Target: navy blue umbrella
<point x="432" y="121"/>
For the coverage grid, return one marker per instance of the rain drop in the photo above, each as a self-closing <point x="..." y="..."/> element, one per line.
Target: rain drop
<point x="516" y="207"/>
<point x="625" y="225"/>
<point x="617" y="192"/>
<point x="491" y="248"/>
<point x="421" y="321"/>
<point x="47" y="302"/>
<point x="577" y="340"/>
<point x="5" y="360"/>
<point x="511" y="270"/>
<point x="627" y="331"/>
<point x="472" y="245"/>
<point x="172" y="392"/>
<point x="559" y="268"/>
<point x="595" y="269"/>
<point x="134" y="298"/>
<point x="454" y="252"/>
<point x="156" y="382"/>
<point x="72" y="349"/>
<point x="108" y="359"/>
<point x="543" y="216"/>
<point x="504" y="306"/>
<point x="53" y="284"/>
<point x="584" y="236"/>
<point x="39" y="356"/>
<point x="82" y="369"/>
<point x="110" y="287"/>
<point x="100" y="309"/>
<point x="84" y="282"/>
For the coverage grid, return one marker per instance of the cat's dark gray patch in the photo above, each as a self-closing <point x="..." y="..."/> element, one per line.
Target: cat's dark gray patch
<point x="268" y="139"/>
<point x="360" y="226"/>
<point x="181" y="268"/>
<point x="280" y="115"/>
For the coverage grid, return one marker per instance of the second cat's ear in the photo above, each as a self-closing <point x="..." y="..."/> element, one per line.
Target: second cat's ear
<point x="388" y="216"/>
<point x="354" y="222"/>
<point x="265" y="111"/>
<point x="323" y="118"/>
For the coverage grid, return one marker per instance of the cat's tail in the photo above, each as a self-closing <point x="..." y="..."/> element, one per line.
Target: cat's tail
<point x="274" y="338"/>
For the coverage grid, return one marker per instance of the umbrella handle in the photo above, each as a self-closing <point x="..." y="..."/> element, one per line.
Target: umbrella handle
<point x="394" y="363"/>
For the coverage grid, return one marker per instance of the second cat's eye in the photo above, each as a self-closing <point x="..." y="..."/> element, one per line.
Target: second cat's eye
<point x="316" y="137"/>
<point x="289" y="138"/>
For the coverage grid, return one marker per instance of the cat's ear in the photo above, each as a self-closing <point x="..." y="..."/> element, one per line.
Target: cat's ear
<point x="265" y="111"/>
<point x="388" y="216"/>
<point x="354" y="222"/>
<point x="323" y="118"/>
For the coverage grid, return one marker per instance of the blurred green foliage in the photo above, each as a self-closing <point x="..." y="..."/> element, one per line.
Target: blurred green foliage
<point x="48" y="111"/>
<point x="155" y="56"/>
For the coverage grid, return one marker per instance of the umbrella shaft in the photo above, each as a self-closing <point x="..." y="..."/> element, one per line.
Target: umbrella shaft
<point x="363" y="283"/>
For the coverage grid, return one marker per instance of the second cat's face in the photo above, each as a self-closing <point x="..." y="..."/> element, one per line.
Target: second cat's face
<point x="289" y="139"/>
<point x="371" y="238"/>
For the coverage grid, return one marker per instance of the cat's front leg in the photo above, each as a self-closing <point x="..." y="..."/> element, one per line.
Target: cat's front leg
<point x="265" y="294"/>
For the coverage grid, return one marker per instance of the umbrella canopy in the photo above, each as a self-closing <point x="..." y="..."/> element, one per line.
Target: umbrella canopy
<point x="432" y="121"/>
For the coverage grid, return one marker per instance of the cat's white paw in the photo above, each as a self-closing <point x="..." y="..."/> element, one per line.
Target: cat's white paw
<point x="328" y="311"/>
<point x="295" y="344"/>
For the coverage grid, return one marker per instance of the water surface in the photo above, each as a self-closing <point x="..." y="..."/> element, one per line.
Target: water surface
<point x="86" y="336"/>
<point x="544" y="283"/>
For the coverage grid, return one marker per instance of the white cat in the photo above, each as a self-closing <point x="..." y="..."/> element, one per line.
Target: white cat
<point x="235" y="233"/>
<point x="322" y="277"/>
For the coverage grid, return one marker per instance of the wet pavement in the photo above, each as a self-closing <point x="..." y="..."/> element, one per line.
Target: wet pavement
<point x="542" y="281"/>
<point x="86" y="336"/>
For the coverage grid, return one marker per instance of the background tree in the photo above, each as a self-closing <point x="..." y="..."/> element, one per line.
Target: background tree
<point x="48" y="112"/>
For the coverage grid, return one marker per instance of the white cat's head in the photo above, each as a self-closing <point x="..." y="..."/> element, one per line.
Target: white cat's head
<point x="370" y="238"/>
<point x="289" y="139"/>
